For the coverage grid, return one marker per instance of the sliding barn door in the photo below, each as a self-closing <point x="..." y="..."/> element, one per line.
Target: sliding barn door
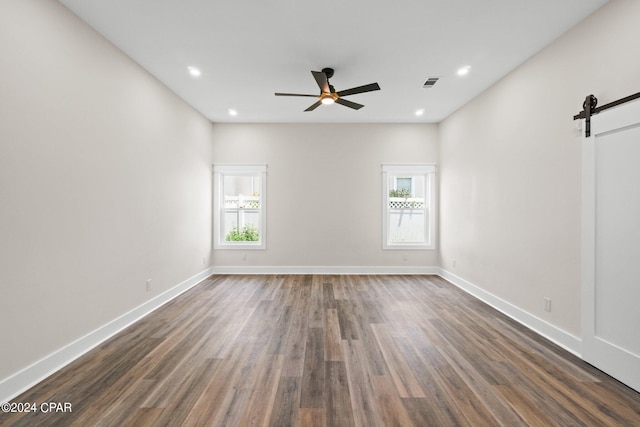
<point x="611" y="243"/>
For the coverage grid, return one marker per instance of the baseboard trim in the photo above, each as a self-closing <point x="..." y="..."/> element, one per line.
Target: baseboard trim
<point x="254" y="269"/>
<point x="554" y="334"/>
<point x="28" y="377"/>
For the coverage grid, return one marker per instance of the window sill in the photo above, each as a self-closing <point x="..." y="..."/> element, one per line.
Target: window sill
<point x="240" y="245"/>
<point x="408" y="247"/>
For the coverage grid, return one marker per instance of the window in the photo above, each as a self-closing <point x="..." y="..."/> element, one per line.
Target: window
<point x="239" y="206"/>
<point x="409" y="206"/>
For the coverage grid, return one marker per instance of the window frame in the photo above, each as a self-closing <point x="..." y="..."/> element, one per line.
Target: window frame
<point x="429" y="171"/>
<point x="220" y="171"/>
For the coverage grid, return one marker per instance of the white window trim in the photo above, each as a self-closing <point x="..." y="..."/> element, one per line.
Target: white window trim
<point x="430" y="171"/>
<point x="219" y="171"/>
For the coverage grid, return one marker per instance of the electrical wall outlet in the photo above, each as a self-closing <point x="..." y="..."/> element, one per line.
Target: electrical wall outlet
<point x="148" y="285"/>
<point x="547" y="304"/>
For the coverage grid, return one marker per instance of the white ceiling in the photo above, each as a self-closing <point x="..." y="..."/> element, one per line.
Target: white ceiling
<point x="249" y="49"/>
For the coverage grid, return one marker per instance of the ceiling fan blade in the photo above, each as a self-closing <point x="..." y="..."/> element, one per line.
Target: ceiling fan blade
<point x="321" y="79"/>
<point x="349" y="104"/>
<point x="314" y="106"/>
<point x="294" y="94"/>
<point x="359" y="89"/>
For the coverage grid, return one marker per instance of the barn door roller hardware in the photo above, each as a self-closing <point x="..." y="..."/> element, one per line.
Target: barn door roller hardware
<point x="589" y="108"/>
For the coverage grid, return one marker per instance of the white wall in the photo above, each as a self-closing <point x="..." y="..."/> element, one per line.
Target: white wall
<point x="105" y="181"/>
<point x="510" y="167"/>
<point x="324" y="190"/>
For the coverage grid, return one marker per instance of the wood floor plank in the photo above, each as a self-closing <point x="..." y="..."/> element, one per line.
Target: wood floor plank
<point x="616" y="400"/>
<point x="485" y="392"/>
<point x="259" y="408"/>
<point x="463" y="397"/>
<point x="217" y="385"/>
<point x="280" y="331"/>
<point x="185" y="394"/>
<point x="523" y="384"/>
<point x="178" y="353"/>
<point x="312" y="395"/>
<point x="143" y="417"/>
<point x="287" y="403"/>
<point x="338" y="285"/>
<point x="298" y="330"/>
<point x="364" y="405"/>
<point x="328" y="298"/>
<point x="421" y="412"/>
<point x="392" y="410"/>
<point x="373" y="357"/>
<point x="439" y="405"/>
<point x="312" y="417"/>
<point x="233" y="407"/>
<point x="337" y="400"/>
<point x="402" y="375"/>
<point x="316" y="311"/>
<point x="320" y="350"/>
<point x="479" y="355"/>
<point x="271" y="286"/>
<point x="332" y="346"/>
<point x="122" y="412"/>
<point x="527" y="409"/>
<point x="345" y="310"/>
<point x="563" y="388"/>
<point x="527" y="345"/>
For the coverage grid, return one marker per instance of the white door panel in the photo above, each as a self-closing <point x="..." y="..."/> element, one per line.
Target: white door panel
<point x="611" y="243"/>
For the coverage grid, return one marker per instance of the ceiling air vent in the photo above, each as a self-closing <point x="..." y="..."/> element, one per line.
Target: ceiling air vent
<point x="431" y="81"/>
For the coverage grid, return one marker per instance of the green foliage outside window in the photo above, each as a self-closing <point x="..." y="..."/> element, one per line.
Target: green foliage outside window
<point x="248" y="233"/>
<point x="401" y="192"/>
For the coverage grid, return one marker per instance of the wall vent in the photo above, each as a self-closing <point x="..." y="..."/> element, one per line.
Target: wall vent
<point x="431" y="81"/>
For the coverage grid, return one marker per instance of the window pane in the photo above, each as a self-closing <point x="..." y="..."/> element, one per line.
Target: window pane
<point x="403" y="184"/>
<point x="419" y="190"/>
<point x="241" y="191"/>
<point x="407" y="226"/>
<point x="241" y="221"/>
<point x="404" y="196"/>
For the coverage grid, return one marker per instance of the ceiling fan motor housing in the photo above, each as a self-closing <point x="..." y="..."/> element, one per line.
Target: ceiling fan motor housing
<point x="328" y="72"/>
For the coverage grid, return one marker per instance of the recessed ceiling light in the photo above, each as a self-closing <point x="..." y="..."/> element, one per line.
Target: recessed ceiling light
<point x="232" y="112"/>
<point x="463" y="71"/>
<point x="420" y="112"/>
<point x="195" y="72"/>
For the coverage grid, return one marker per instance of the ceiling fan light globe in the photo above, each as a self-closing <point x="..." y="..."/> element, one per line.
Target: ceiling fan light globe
<point x="327" y="100"/>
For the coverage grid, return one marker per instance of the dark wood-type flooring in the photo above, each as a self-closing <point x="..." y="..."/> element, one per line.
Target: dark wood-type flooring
<point x="329" y="350"/>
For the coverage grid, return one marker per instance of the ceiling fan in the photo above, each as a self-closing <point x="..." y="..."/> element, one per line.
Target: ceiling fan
<point x="328" y="94"/>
